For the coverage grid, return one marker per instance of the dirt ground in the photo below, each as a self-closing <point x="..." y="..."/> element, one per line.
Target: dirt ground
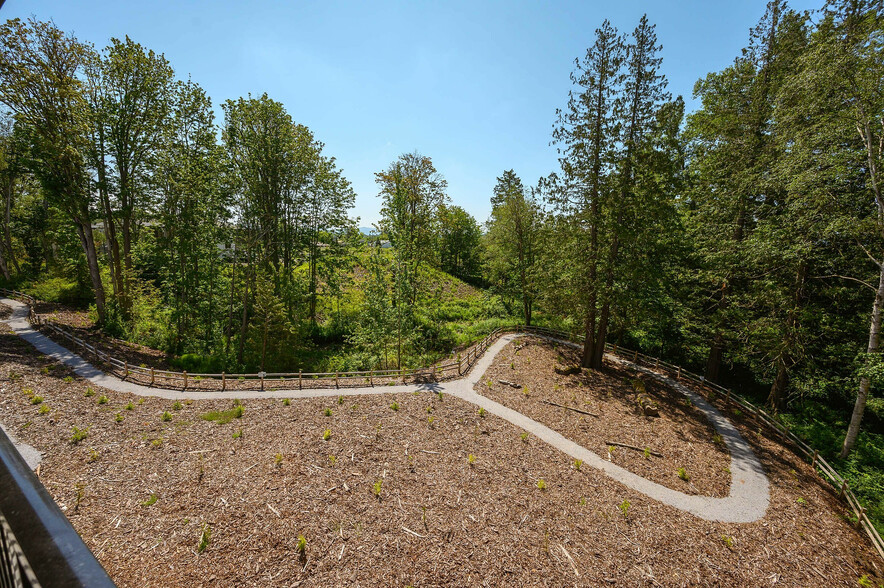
<point x="392" y="499"/>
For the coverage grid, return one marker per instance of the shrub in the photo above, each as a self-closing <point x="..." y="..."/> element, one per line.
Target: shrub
<point x="78" y="434"/>
<point x="204" y="539"/>
<point x="102" y="399"/>
<point x="541" y="484"/>
<point x="44" y="409"/>
<point x="326" y="435"/>
<point x="36" y="399"/>
<point x="683" y="474"/>
<point x="167" y="416"/>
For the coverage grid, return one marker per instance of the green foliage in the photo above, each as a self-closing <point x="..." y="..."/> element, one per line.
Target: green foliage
<point x="205" y="538"/>
<point x="89" y="392"/>
<point x="78" y="434"/>
<point x="44" y="409"/>
<point x="683" y="474"/>
<point x="301" y="546"/>
<point x="624" y="508"/>
<point x="36" y="399"/>
<point x="102" y="399"/>
<point x="167" y="416"/>
<point x="541" y="484"/>
<point x="150" y="501"/>
<point x="286" y="402"/>
<point x="326" y="435"/>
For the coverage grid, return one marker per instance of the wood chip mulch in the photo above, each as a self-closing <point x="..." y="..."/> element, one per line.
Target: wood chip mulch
<point x="437" y="520"/>
<point x="524" y="378"/>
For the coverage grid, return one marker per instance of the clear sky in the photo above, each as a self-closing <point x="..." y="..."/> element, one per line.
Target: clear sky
<point x="474" y="85"/>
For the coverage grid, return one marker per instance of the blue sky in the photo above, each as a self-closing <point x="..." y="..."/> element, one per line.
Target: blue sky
<point x="474" y="85"/>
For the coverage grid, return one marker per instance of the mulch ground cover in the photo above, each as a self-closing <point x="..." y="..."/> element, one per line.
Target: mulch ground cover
<point x="524" y="378"/>
<point x="390" y="498"/>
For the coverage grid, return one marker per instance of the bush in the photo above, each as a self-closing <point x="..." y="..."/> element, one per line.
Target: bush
<point x="198" y="364"/>
<point x="58" y="289"/>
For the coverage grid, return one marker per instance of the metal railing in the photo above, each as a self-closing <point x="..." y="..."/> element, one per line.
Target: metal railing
<point x="38" y="545"/>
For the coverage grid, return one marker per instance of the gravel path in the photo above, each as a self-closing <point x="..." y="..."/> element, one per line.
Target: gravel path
<point x="749" y="490"/>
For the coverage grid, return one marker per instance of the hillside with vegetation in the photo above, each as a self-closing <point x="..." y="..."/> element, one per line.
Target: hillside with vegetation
<point x="744" y="240"/>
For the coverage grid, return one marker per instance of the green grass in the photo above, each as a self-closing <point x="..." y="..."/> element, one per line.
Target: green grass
<point x="223" y="417"/>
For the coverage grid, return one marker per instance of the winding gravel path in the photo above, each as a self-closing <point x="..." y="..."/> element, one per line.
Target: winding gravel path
<point x="749" y="490"/>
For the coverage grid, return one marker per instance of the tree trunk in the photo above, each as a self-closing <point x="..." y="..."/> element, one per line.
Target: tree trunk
<point x="713" y="364"/>
<point x="863" y="393"/>
<point x="84" y="231"/>
<point x="776" y="400"/>
<point x="7" y="234"/>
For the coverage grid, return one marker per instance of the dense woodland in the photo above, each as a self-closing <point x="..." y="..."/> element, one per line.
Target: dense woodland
<point x="744" y="240"/>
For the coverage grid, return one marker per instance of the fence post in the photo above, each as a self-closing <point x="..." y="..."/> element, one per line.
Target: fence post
<point x="813" y="463"/>
<point x="185" y="379"/>
<point x="458" y="365"/>
<point x="678" y="374"/>
<point x="223" y="381"/>
<point x="614" y="349"/>
<point x="262" y="380"/>
<point x="859" y="519"/>
<point x="336" y="380"/>
<point x="843" y="488"/>
<point x="151" y="376"/>
<point x="657" y="364"/>
<point x="371" y="378"/>
<point x="125" y="369"/>
<point x="299" y="379"/>
<point x="635" y="357"/>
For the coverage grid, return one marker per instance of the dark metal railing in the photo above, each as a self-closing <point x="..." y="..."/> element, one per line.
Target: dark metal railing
<point x="38" y="545"/>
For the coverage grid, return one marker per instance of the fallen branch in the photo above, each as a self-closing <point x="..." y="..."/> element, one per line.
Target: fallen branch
<point x="642" y="449"/>
<point x="510" y="384"/>
<point x="571" y="559"/>
<point x="569" y="408"/>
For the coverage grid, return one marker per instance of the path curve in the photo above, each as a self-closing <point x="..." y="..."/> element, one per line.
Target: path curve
<point x="747" y="501"/>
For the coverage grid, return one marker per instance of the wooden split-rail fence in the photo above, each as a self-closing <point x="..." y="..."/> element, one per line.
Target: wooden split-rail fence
<point x="448" y="369"/>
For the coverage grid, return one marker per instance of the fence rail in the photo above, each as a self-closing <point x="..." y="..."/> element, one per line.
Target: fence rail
<point x="448" y="369"/>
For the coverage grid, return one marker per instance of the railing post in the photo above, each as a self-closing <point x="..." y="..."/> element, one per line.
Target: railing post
<point x="152" y="377"/>
<point x="185" y="379"/>
<point x="614" y="349"/>
<point x="262" y="380"/>
<point x="657" y="364"/>
<point x="843" y="488"/>
<point x="299" y="379"/>
<point x="223" y="381"/>
<point x="859" y="519"/>
<point x="458" y="365"/>
<point x="371" y="378"/>
<point x="336" y="380"/>
<point x="125" y="369"/>
<point x="635" y="357"/>
<point x="678" y="373"/>
<point x="813" y="462"/>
